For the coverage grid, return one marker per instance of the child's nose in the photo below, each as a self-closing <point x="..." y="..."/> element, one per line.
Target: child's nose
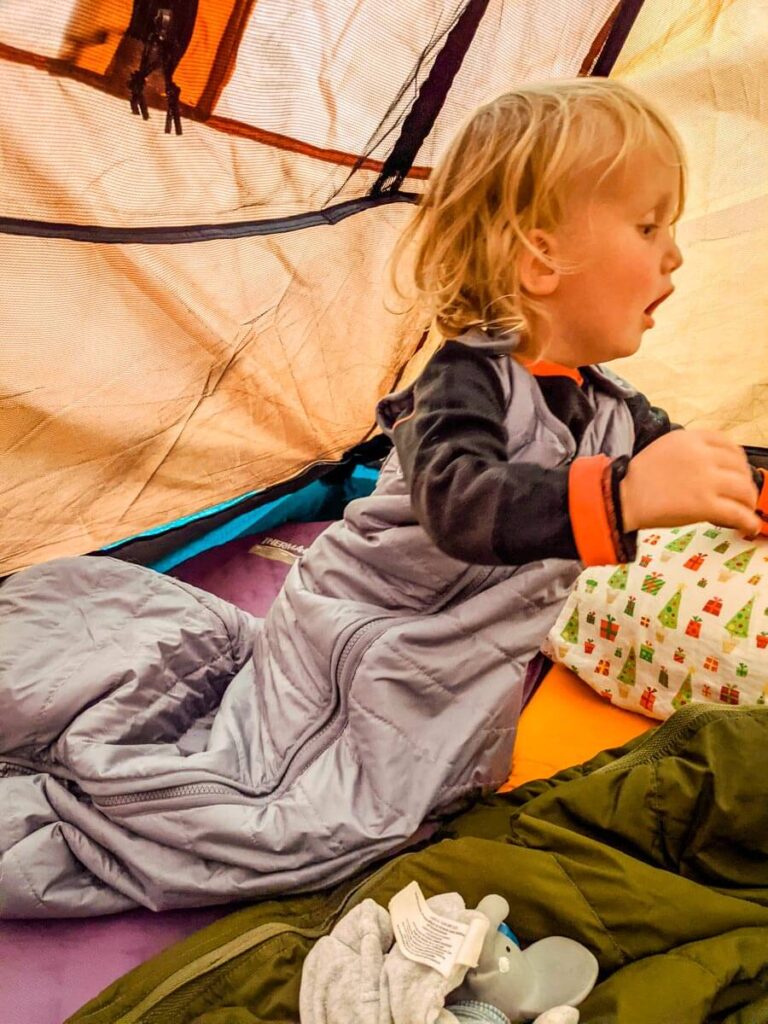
<point x="673" y="258"/>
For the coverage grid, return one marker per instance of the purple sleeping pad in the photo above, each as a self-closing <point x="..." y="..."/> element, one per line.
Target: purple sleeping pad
<point x="49" y="969"/>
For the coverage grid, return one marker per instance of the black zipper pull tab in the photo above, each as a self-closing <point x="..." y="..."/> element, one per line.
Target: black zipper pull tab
<point x="172" y="115"/>
<point x="167" y="48"/>
<point x="161" y="52"/>
<point x="138" y="102"/>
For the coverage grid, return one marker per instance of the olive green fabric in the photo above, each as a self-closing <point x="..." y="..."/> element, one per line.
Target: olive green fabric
<point x="654" y="855"/>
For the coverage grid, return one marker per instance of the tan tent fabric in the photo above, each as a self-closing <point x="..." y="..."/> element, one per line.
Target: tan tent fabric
<point x="157" y="380"/>
<point x="88" y="161"/>
<point x="317" y="72"/>
<point x="707" y="64"/>
<point x="85" y="33"/>
<point x="142" y="383"/>
<point x="346" y="61"/>
<point x="201" y="394"/>
<point x="323" y="78"/>
<point x="515" y="43"/>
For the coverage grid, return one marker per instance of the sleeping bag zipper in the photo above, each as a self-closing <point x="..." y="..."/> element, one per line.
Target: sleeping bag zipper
<point x="660" y="741"/>
<point x="8" y="769"/>
<point x="357" y="641"/>
<point x="358" y="633"/>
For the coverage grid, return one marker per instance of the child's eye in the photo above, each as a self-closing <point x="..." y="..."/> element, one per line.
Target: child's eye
<point x="648" y="229"/>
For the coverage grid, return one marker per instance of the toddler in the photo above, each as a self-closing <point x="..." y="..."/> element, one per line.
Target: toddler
<point x="543" y="248"/>
<point x="546" y="237"/>
<point x="385" y="684"/>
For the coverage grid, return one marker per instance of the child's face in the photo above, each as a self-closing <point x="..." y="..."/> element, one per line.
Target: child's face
<point x="620" y="240"/>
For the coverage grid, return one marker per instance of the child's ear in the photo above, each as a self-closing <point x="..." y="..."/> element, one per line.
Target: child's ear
<point x="538" y="276"/>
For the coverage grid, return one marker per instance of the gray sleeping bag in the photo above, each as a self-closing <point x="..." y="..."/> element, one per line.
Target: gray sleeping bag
<point x="160" y="747"/>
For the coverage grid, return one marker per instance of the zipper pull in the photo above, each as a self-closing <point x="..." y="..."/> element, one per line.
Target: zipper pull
<point x="138" y="102"/>
<point x="172" y="115"/>
<point x="161" y="52"/>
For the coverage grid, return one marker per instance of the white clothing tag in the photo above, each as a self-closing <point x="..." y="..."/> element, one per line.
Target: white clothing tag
<point x="429" y="938"/>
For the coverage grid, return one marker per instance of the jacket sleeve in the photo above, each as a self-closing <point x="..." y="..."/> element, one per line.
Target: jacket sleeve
<point x="475" y="504"/>
<point x="651" y="423"/>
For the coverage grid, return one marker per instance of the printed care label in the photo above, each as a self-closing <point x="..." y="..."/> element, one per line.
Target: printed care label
<point x="428" y="938"/>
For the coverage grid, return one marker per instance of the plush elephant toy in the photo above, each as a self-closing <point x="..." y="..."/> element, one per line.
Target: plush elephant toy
<point x="554" y="972"/>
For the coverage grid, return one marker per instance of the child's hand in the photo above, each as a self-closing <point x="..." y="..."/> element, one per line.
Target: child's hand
<point x="690" y="476"/>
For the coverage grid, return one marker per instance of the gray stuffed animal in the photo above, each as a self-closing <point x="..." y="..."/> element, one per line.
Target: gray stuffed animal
<point x="554" y="972"/>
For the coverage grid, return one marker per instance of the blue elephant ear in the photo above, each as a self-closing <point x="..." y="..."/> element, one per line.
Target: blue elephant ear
<point x="507" y="931"/>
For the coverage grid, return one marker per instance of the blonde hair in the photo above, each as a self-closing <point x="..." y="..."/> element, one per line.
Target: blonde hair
<point x="507" y="172"/>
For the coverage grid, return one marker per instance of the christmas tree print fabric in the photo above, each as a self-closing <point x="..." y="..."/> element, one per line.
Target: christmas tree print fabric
<point x="688" y="621"/>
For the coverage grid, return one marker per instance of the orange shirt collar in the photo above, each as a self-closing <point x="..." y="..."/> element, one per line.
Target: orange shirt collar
<point x="543" y="368"/>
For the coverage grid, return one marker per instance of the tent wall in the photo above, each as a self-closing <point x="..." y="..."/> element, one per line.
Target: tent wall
<point x="333" y="79"/>
<point x="707" y="65"/>
<point x="149" y="381"/>
<point x="144" y="380"/>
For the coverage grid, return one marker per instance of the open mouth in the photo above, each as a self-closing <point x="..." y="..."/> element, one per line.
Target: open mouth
<point x="655" y="305"/>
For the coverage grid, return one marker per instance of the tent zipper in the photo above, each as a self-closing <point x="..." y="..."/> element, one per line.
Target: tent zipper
<point x="177" y="234"/>
<point x="243" y="943"/>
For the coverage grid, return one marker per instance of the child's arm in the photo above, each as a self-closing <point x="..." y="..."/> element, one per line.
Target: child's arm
<point x="475" y="504"/>
<point x="480" y="508"/>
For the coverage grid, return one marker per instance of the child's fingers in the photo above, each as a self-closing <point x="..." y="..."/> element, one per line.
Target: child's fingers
<point x="729" y="457"/>
<point x="738" y="516"/>
<point x="754" y="527"/>
<point x="739" y="487"/>
<point x="738" y="470"/>
<point x="718" y="440"/>
<point x="726" y="453"/>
